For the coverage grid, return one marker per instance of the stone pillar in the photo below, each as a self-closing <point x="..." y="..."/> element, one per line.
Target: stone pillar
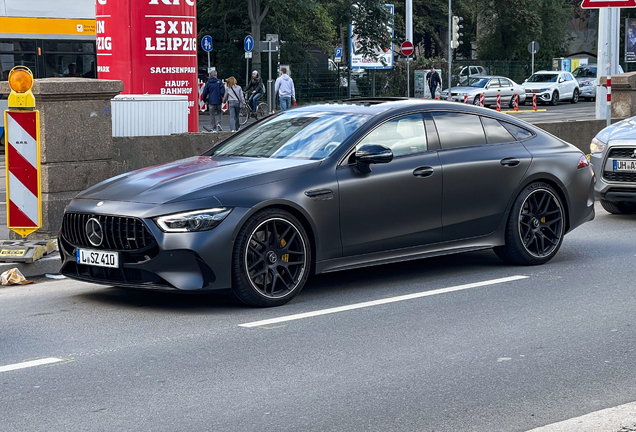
<point x="76" y="141"/>
<point x="623" y="94"/>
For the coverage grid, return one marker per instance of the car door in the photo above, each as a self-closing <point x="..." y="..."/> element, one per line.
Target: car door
<point x="397" y="204"/>
<point x="482" y="166"/>
<point x="565" y="89"/>
<point x="506" y="91"/>
<point x="492" y="89"/>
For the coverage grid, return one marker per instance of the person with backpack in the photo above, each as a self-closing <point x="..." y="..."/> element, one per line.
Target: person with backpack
<point x="257" y="88"/>
<point x="213" y="94"/>
<point x="235" y="101"/>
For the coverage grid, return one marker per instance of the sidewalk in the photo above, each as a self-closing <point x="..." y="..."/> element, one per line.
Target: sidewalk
<point x="206" y="126"/>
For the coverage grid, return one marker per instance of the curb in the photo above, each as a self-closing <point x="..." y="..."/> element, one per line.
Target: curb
<point x="48" y="264"/>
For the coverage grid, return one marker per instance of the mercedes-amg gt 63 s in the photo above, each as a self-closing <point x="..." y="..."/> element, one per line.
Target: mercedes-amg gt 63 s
<point x="331" y="187"/>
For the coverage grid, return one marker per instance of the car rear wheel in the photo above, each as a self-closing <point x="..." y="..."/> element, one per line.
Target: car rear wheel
<point x="575" y="97"/>
<point x="535" y="229"/>
<point x="555" y="98"/>
<point x="272" y="259"/>
<point x="619" y="207"/>
<point x="476" y="101"/>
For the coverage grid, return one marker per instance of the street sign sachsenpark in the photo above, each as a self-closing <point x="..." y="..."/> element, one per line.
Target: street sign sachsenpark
<point x="407" y="48"/>
<point x="595" y="4"/>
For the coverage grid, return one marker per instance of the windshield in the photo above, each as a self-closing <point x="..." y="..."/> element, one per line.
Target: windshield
<point x="294" y="135"/>
<point x="584" y="72"/>
<point x="478" y="82"/>
<point x="543" y="78"/>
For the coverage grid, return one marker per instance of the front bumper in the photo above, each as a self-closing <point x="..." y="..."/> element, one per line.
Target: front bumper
<point x="610" y="185"/>
<point x="543" y="97"/>
<point x="588" y="91"/>
<point x="198" y="261"/>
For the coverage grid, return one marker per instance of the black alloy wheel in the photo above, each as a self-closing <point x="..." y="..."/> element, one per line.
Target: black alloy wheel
<point x="536" y="226"/>
<point x="575" y="96"/>
<point x="555" y="99"/>
<point x="476" y="100"/>
<point x="272" y="259"/>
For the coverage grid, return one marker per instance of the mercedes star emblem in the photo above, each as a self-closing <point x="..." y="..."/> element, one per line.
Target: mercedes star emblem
<point x="94" y="232"/>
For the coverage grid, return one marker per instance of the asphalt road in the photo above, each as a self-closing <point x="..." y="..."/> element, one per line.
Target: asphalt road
<point x="508" y="356"/>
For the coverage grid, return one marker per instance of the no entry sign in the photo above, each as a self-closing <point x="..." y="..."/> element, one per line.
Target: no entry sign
<point x="407" y="48"/>
<point x="595" y="4"/>
<point x="24" y="213"/>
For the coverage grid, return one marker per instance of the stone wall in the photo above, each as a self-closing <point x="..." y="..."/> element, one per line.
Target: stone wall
<point x="579" y="132"/>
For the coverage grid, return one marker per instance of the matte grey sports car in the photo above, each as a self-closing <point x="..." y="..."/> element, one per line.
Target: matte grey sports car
<point x="331" y="187"/>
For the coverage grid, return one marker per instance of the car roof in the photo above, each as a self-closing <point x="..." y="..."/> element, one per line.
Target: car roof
<point x="547" y="72"/>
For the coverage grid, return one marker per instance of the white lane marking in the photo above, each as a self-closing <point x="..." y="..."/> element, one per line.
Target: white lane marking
<point x="29" y="364"/>
<point x="381" y="302"/>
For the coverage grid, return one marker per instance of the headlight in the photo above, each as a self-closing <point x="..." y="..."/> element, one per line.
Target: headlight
<point x="587" y="83"/>
<point x="597" y="146"/>
<point x="543" y="90"/>
<point x="200" y="220"/>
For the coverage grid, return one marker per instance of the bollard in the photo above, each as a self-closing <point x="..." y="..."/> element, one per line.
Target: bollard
<point x="515" y="102"/>
<point x="482" y="99"/>
<point x="534" y="101"/>
<point x="498" y="101"/>
<point x="466" y="99"/>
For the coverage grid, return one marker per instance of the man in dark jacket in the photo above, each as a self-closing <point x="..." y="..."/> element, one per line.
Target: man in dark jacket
<point x="256" y="88"/>
<point x="433" y="80"/>
<point x="213" y="93"/>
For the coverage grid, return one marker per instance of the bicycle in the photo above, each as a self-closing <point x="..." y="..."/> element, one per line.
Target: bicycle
<point x="246" y="112"/>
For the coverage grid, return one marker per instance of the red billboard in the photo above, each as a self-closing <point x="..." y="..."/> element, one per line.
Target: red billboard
<point x="150" y="45"/>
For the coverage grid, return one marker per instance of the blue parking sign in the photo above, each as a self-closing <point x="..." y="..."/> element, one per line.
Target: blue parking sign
<point x="338" y="52"/>
<point x="206" y="43"/>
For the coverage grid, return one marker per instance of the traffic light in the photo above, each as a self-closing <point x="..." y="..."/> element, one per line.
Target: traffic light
<point x="455" y="34"/>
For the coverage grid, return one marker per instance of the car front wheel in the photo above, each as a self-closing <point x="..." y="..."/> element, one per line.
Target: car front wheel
<point x="575" y="97"/>
<point x="555" y="98"/>
<point x="272" y="259"/>
<point x="535" y="229"/>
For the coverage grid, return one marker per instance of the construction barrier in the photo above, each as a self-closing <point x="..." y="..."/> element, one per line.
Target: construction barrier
<point x="482" y="99"/>
<point x="466" y="99"/>
<point x="498" y="101"/>
<point x="515" y="102"/>
<point x="534" y="101"/>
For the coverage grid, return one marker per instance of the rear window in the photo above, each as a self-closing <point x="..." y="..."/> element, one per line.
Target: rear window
<point x="518" y="132"/>
<point x="458" y="129"/>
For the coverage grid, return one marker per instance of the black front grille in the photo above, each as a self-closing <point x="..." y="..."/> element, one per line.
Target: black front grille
<point x="621" y="152"/>
<point x="619" y="177"/>
<point x="120" y="233"/>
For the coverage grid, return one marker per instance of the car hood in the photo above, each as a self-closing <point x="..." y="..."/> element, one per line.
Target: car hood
<point x="622" y="131"/>
<point x="538" y="85"/>
<point x="195" y="177"/>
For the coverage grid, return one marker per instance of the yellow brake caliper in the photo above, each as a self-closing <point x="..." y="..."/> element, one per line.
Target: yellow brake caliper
<point x="284" y="258"/>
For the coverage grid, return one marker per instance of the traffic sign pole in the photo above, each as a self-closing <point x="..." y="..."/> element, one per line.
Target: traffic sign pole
<point x="407" y="50"/>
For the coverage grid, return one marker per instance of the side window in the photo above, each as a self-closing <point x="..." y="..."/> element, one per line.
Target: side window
<point x="517" y="132"/>
<point x="495" y="132"/>
<point x="494" y="83"/>
<point x="505" y="83"/>
<point x="403" y="135"/>
<point x="458" y="129"/>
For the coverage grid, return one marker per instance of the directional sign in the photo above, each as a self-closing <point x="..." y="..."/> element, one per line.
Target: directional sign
<point x="533" y="47"/>
<point x="248" y="43"/>
<point x="338" y="53"/>
<point x="595" y="4"/>
<point x="206" y="43"/>
<point x="407" y="48"/>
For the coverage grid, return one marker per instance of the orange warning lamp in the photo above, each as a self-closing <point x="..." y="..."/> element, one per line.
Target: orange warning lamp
<point x="21" y="82"/>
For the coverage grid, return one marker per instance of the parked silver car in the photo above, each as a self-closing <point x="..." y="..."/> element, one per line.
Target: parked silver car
<point x="588" y="81"/>
<point x="552" y="87"/>
<point x="490" y="86"/>
<point x="613" y="156"/>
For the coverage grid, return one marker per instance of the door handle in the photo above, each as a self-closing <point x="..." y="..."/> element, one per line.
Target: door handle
<point x="510" y="162"/>
<point x="423" y="172"/>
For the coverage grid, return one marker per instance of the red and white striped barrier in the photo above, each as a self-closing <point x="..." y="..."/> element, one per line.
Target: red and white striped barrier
<point x="202" y="104"/>
<point x="466" y="99"/>
<point x="515" y="102"/>
<point x="482" y="100"/>
<point x="534" y="101"/>
<point x="498" y="101"/>
<point x="23" y="172"/>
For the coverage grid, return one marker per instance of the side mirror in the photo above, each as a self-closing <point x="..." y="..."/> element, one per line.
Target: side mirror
<point x="372" y="154"/>
<point x="561" y="80"/>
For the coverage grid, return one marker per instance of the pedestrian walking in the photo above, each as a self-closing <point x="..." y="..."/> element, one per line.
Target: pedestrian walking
<point x="285" y="89"/>
<point x="235" y="101"/>
<point x="213" y="94"/>
<point x="256" y="87"/>
<point x="433" y="80"/>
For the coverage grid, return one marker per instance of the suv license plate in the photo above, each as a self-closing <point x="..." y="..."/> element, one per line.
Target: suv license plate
<point x="97" y="258"/>
<point x="628" y="165"/>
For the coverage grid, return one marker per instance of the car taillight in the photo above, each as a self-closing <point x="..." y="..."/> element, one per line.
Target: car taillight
<point x="583" y="162"/>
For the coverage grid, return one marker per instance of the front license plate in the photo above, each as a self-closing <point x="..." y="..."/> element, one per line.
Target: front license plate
<point x="97" y="258"/>
<point x="628" y="165"/>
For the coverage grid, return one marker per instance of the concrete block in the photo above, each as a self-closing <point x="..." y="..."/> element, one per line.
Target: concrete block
<point x="74" y="176"/>
<point x="49" y="264"/>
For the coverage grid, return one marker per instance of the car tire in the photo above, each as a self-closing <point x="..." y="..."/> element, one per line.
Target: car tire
<point x="575" y="97"/>
<point x="535" y="228"/>
<point x="476" y="101"/>
<point x="555" y="99"/>
<point x="618" y="208"/>
<point x="272" y="259"/>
